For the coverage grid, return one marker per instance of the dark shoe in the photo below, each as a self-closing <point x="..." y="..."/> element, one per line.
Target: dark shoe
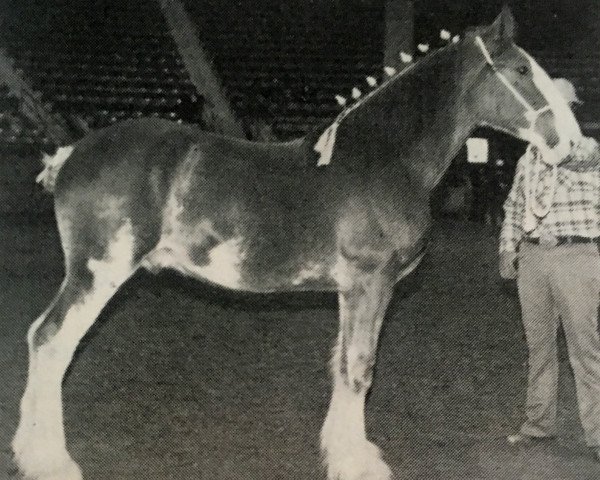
<point x="520" y="439"/>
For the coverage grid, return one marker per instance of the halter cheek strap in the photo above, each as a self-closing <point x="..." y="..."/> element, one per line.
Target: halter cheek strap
<point x="532" y="113"/>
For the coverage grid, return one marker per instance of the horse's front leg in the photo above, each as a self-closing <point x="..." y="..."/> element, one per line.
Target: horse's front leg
<point x="364" y="293"/>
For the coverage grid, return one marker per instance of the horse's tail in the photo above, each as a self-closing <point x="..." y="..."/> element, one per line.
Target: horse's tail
<point x="52" y="165"/>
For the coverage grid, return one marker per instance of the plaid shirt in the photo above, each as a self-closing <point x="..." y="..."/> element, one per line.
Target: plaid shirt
<point x="575" y="209"/>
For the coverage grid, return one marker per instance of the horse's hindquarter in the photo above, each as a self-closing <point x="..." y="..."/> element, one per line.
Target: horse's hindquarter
<point x="117" y="176"/>
<point x="252" y="217"/>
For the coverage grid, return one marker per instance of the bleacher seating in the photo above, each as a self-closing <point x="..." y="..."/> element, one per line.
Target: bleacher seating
<point x="18" y="134"/>
<point x="285" y="62"/>
<point x="101" y="60"/>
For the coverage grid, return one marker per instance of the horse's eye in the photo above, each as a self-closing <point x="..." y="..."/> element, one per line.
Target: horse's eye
<point x="523" y="70"/>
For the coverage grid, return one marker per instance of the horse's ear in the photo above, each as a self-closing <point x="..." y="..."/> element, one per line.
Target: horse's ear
<point x="504" y="26"/>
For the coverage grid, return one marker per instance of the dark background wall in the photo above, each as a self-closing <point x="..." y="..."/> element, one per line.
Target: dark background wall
<point x="561" y="25"/>
<point x="19" y="194"/>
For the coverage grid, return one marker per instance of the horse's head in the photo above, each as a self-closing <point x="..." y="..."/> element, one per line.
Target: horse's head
<point x="509" y="91"/>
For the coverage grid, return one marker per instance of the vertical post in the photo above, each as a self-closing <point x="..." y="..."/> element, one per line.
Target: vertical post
<point x="31" y="102"/>
<point x="593" y="20"/>
<point x="220" y="113"/>
<point x="399" y="30"/>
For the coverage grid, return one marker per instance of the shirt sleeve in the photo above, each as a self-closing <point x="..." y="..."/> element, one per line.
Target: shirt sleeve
<point x="512" y="229"/>
<point x="584" y="157"/>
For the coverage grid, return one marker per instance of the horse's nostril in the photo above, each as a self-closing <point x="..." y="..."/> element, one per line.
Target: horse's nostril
<point x="548" y="130"/>
<point x="553" y="138"/>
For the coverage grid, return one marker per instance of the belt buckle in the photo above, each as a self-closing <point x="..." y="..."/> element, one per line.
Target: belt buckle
<point x="548" y="240"/>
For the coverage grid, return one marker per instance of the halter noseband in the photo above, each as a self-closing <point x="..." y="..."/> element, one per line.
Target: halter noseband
<point x="531" y="112"/>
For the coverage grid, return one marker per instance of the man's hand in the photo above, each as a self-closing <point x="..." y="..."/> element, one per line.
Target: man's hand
<point x="508" y="265"/>
<point x="584" y="156"/>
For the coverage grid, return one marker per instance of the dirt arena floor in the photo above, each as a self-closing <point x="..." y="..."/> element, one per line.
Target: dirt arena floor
<point x="182" y="382"/>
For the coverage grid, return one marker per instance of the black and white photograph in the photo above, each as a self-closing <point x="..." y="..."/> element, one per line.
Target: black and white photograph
<point x="299" y="240"/>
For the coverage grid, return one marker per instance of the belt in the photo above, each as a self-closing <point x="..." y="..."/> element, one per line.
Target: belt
<point x="552" y="241"/>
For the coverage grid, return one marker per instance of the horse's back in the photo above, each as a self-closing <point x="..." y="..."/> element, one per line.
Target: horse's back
<point x="134" y="146"/>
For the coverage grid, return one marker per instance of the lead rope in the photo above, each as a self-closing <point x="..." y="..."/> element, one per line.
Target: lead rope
<point x="532" y="207"/>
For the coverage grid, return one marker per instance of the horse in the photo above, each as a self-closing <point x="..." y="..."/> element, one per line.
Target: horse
<point x="274" y="217"/>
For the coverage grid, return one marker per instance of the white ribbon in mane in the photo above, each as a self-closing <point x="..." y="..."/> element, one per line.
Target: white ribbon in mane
<point x="326" y="142"/>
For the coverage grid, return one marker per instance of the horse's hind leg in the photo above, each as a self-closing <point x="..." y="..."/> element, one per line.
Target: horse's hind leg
<point x="363" y="299"/>
<point x="39" y="444"/>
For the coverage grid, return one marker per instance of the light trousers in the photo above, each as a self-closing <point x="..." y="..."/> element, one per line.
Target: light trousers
<point x="561" y="284"/>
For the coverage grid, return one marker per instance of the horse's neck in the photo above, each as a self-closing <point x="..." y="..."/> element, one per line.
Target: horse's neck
<point x="433" y="153"/>
<point x="413" y="128"/>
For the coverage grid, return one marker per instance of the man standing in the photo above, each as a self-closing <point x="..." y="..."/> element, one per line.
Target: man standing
<point x="550" y="243"/>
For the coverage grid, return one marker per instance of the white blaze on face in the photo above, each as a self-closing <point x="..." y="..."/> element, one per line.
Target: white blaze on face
<point x="566" y="125"/>
<point x="224" y="264"/>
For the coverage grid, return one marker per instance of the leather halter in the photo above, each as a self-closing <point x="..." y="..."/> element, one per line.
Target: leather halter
<point x="532" y="209"/>
<point x="532" y="114"/>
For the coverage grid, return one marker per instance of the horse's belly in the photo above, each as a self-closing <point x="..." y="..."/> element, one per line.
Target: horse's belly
<point x="230" y="264"/>
<point x="246" y="244"/>
<point x="224" y="264"/>
<point x="221" y="264"/>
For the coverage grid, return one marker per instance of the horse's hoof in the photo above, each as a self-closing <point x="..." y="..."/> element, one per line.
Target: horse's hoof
<point x="31" y="468"/>
<point x="66" y="472"/>
<point x="362" y="463"/>
<point x="379" y="471"/>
